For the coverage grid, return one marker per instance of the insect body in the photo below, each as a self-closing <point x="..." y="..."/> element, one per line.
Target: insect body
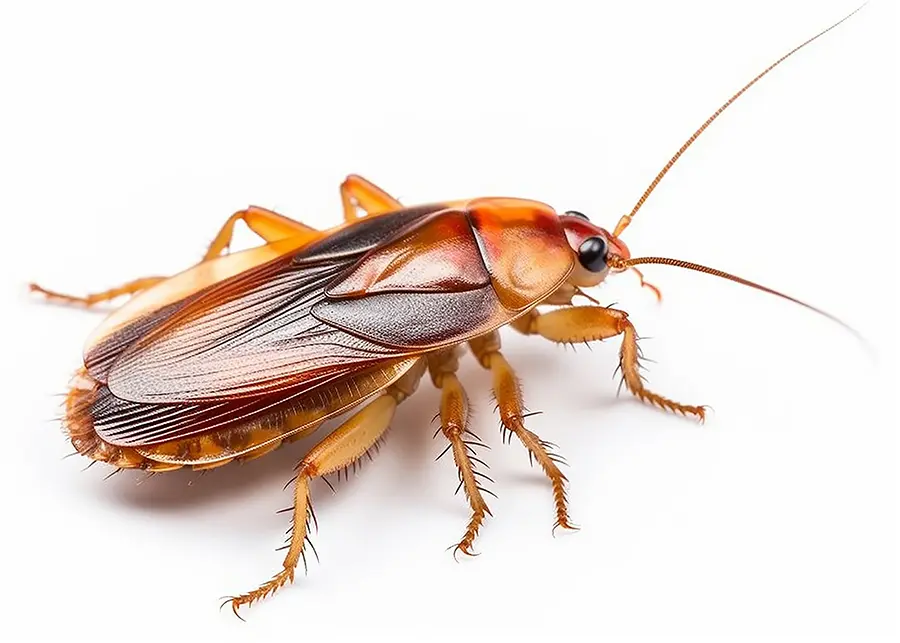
<point x="246" y="351"/>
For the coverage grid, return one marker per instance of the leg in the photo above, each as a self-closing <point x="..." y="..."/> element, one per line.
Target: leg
<point x="349" y="442"/>
<point x="95" y="298"/>
<point x="591" y="323"/>
<point x="270" y="226"/>
<point x="357" y="192"/>
<point x="454" y="425"/>
<point x="509" y="402"/>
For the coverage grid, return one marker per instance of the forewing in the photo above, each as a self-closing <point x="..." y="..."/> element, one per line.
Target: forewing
<point x="254" y="333"/>
<point x="148" y="309"/>
<point x="236" y="423"/>
<point x="440" y="255"/>
<point x="248" y="336"/>
<point x="383" y="289"/>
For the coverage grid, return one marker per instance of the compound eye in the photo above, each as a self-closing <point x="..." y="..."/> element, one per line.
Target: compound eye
<point x="593" y="253"/>
<point x="576" y="213"/>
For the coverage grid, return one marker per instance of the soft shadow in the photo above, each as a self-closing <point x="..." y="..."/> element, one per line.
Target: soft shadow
<point x="175" y="491"/>
<point x="410" y="436"/>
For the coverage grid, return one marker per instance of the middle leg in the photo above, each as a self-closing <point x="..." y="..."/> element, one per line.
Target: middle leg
<point x="266" y="224"/>
<point x="357" y="192"/>
<point x="454" y="425"/>
<point x="512" y="415"/>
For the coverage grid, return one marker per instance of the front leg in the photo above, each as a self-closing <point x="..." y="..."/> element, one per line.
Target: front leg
<point x="592" y="323"/>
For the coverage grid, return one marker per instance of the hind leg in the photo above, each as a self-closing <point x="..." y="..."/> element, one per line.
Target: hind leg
<point x="356" y="192"/>
<point x="95" y="298"/>
<point x="346" y="444"/>
<point x="269" y="226"/>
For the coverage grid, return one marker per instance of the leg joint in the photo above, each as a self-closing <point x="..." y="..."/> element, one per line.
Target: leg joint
<point x="306" y="469"/>
<point x="485" y="348"/>
<point x="443" y="366"/>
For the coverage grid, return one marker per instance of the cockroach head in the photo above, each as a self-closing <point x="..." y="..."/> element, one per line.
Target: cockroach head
<point x="594" y="247"/>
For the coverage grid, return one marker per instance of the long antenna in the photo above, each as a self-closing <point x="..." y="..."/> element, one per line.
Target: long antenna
<point x="623" y="264"/>
<point x="625" y="221"/>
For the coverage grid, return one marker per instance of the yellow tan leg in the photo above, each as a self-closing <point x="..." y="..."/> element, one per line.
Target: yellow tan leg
<point x="268" y="225"/>
<point x="349" y="442"/>
<point x="357" y="192"/>
<point x="454" y="425"/>
<point x="96" y="298"/>
<point x="508" y="394"/>
<point x="591" y="323"/>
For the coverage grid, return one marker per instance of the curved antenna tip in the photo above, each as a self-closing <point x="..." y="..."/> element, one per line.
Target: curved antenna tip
<point x="626" y="219"/>
<point x="623" y="264"/>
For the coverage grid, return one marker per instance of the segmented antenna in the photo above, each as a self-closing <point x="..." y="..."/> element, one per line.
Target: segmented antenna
<point x="618" y="263"/>
<point x="625" y="221"/>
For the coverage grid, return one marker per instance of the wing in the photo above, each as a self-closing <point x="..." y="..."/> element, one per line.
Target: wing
<point x="249" y="336"/>
<point x="147" y="310"/>
<point x="333" y="308"/>
<point x="233" y="424"/>
<point x="150" y="308"/>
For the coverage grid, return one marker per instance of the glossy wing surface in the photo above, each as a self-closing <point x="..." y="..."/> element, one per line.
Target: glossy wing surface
<point x="233" y="421"/>
<point x="274" y="327"/>
<point x="148" y="309"/>
<point x="247" y="336"/>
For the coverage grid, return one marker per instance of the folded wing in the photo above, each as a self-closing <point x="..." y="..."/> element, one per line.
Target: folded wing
<point x="308" y="317"/>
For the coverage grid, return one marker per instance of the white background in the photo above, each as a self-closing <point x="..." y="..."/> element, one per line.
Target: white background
<point x="127" y="135"/>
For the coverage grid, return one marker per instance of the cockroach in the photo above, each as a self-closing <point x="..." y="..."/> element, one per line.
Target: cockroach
<point x="250" y="350"/>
